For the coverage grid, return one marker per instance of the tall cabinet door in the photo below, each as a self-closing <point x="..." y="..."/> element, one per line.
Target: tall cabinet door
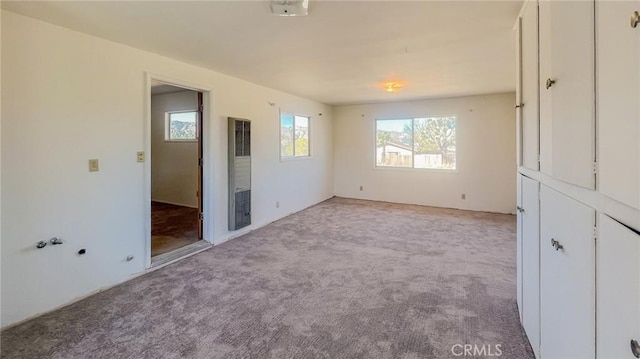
<point x="567" y="277"/>
<point x="528" y="86"/>
<point x="618" y="289"/>
<point x="567" y="93"/>
<point x="530" y="214"/>
<point x="618" y="60"/>
<point x="519" y="252"/>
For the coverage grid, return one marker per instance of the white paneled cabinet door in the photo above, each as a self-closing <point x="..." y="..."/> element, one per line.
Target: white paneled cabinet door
<point x="530" y="214"/>
<point x="529" y="86"/>
<point x="618" y="61"/>
<point x="567" y="277"/>
<point x="618" y="279"/>
<point x="519" y="246"/>
<point x="567" y="93"/>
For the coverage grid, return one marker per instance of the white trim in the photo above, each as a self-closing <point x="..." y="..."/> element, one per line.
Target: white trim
<point x="207" y="159"/>
<point x="411" y="169"/>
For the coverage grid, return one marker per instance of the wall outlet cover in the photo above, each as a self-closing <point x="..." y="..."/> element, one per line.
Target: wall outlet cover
<point x="94" y="166"/>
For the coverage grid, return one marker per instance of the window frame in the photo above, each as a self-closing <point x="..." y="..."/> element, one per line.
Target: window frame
<point x="412" y="167"/>
<point x="293" y="157"/>
<point x="167" y="127"/>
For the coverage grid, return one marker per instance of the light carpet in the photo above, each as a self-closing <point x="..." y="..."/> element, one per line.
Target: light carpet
<point x="342" y="279"/>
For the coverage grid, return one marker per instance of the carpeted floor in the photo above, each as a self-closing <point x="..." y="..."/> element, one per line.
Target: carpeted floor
<point x="343" y="279"/>
<point x="172" y="227"/>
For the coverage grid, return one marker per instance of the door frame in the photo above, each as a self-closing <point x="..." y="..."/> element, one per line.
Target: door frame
<point x="207" y="181"/>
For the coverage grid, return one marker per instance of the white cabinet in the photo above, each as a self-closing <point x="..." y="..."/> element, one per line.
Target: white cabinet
<point x="618" y="95"/>
<point x="579" y="297"/>
<point x="567" y="277"/>
<point x="528" y="259"/>
<point x="618" y="279"/>
<point x="527" y="87"/>
<point x="529" y="214"/>
<point x="519" y="246"/>
<point x="567" y="93"/>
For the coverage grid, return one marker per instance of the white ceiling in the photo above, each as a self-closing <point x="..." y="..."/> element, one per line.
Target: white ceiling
<point x="341" y="53"/>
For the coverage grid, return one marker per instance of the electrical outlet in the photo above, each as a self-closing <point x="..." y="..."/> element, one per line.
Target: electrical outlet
<point x="361" y="188"/>
<point x="140" y="156"/>
<point x="463" y="196"/>
<point x="277" y="204"/>
<point x="94" y="165"/>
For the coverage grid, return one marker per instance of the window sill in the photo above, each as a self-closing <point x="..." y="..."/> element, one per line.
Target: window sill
<point x="411" y="169"/>
<point x="181" y="141"/>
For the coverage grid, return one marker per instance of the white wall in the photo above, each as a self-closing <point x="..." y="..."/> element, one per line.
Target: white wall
<point x="174" y="165"/>
<point x="68" y="97"/>
<point x="0" y="166"/>
<point x="486" y="163"/>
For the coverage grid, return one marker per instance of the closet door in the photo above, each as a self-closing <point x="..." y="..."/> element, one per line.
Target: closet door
<point x="618" y="45"/>
<point x="567" y="277"/>
<point x="519" y="253"/>
<point x="618" y="289"/>
<point x="567" y="115"/>
<point x="529" y="106"/>
<point x="530" y="216"/>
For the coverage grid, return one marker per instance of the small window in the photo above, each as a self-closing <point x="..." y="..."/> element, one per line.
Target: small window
<point x="181" y="126"/>
<point x="428" y="142"/>
<point x="294" y="136"/>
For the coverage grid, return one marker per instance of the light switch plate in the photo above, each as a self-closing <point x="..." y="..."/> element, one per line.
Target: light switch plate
<point x="140" y="156"/>
<point x="94" y="165"/>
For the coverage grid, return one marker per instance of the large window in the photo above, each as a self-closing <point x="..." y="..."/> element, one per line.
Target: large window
<point x="294" y="136"/>
<point x="181" y="126"/>
<point x="428" y="142"/>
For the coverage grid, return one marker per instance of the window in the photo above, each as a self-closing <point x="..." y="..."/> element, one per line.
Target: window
<point x="181" y="126"/>
<point x="428" y="142"/>
<point x="294" y="136"/>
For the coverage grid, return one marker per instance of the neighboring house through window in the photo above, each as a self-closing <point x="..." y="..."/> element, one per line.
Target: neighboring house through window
<point x="428" y="142"/>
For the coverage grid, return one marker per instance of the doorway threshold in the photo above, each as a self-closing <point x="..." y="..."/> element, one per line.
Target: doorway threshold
<point x="164" y="259"/>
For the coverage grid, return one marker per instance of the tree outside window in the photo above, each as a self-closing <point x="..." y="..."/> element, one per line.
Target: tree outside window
<point x="428" y="142"/>
<point x="294" y="136"/>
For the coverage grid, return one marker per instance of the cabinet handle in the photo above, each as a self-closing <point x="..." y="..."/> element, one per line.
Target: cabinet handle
<point x="519" y="106"/>
<point x="520" y="209"/>
<point x="550" y="83"/>
<point x="556" y="244"/>
<point x="635" y="348"/>
<point x="635" y="20"/>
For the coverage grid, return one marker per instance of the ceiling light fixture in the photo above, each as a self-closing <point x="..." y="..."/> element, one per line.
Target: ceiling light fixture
<point x="290" y="7"/>
<point x="392" y="86"/>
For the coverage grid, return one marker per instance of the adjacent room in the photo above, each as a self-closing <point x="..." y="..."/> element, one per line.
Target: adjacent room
<point x="175" y="171"/>
<point x="320" y="179"/>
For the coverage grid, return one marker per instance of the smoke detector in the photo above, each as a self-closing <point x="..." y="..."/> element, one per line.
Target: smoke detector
<point x="290" y="7"/>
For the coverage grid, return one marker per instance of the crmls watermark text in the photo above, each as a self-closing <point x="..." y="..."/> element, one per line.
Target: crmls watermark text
<point x="474" y="350"/>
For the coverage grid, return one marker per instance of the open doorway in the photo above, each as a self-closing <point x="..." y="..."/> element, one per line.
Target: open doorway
<point x="176" y="168"/>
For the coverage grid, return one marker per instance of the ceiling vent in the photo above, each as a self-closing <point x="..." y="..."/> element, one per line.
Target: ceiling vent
<point x="290" y="7"/>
